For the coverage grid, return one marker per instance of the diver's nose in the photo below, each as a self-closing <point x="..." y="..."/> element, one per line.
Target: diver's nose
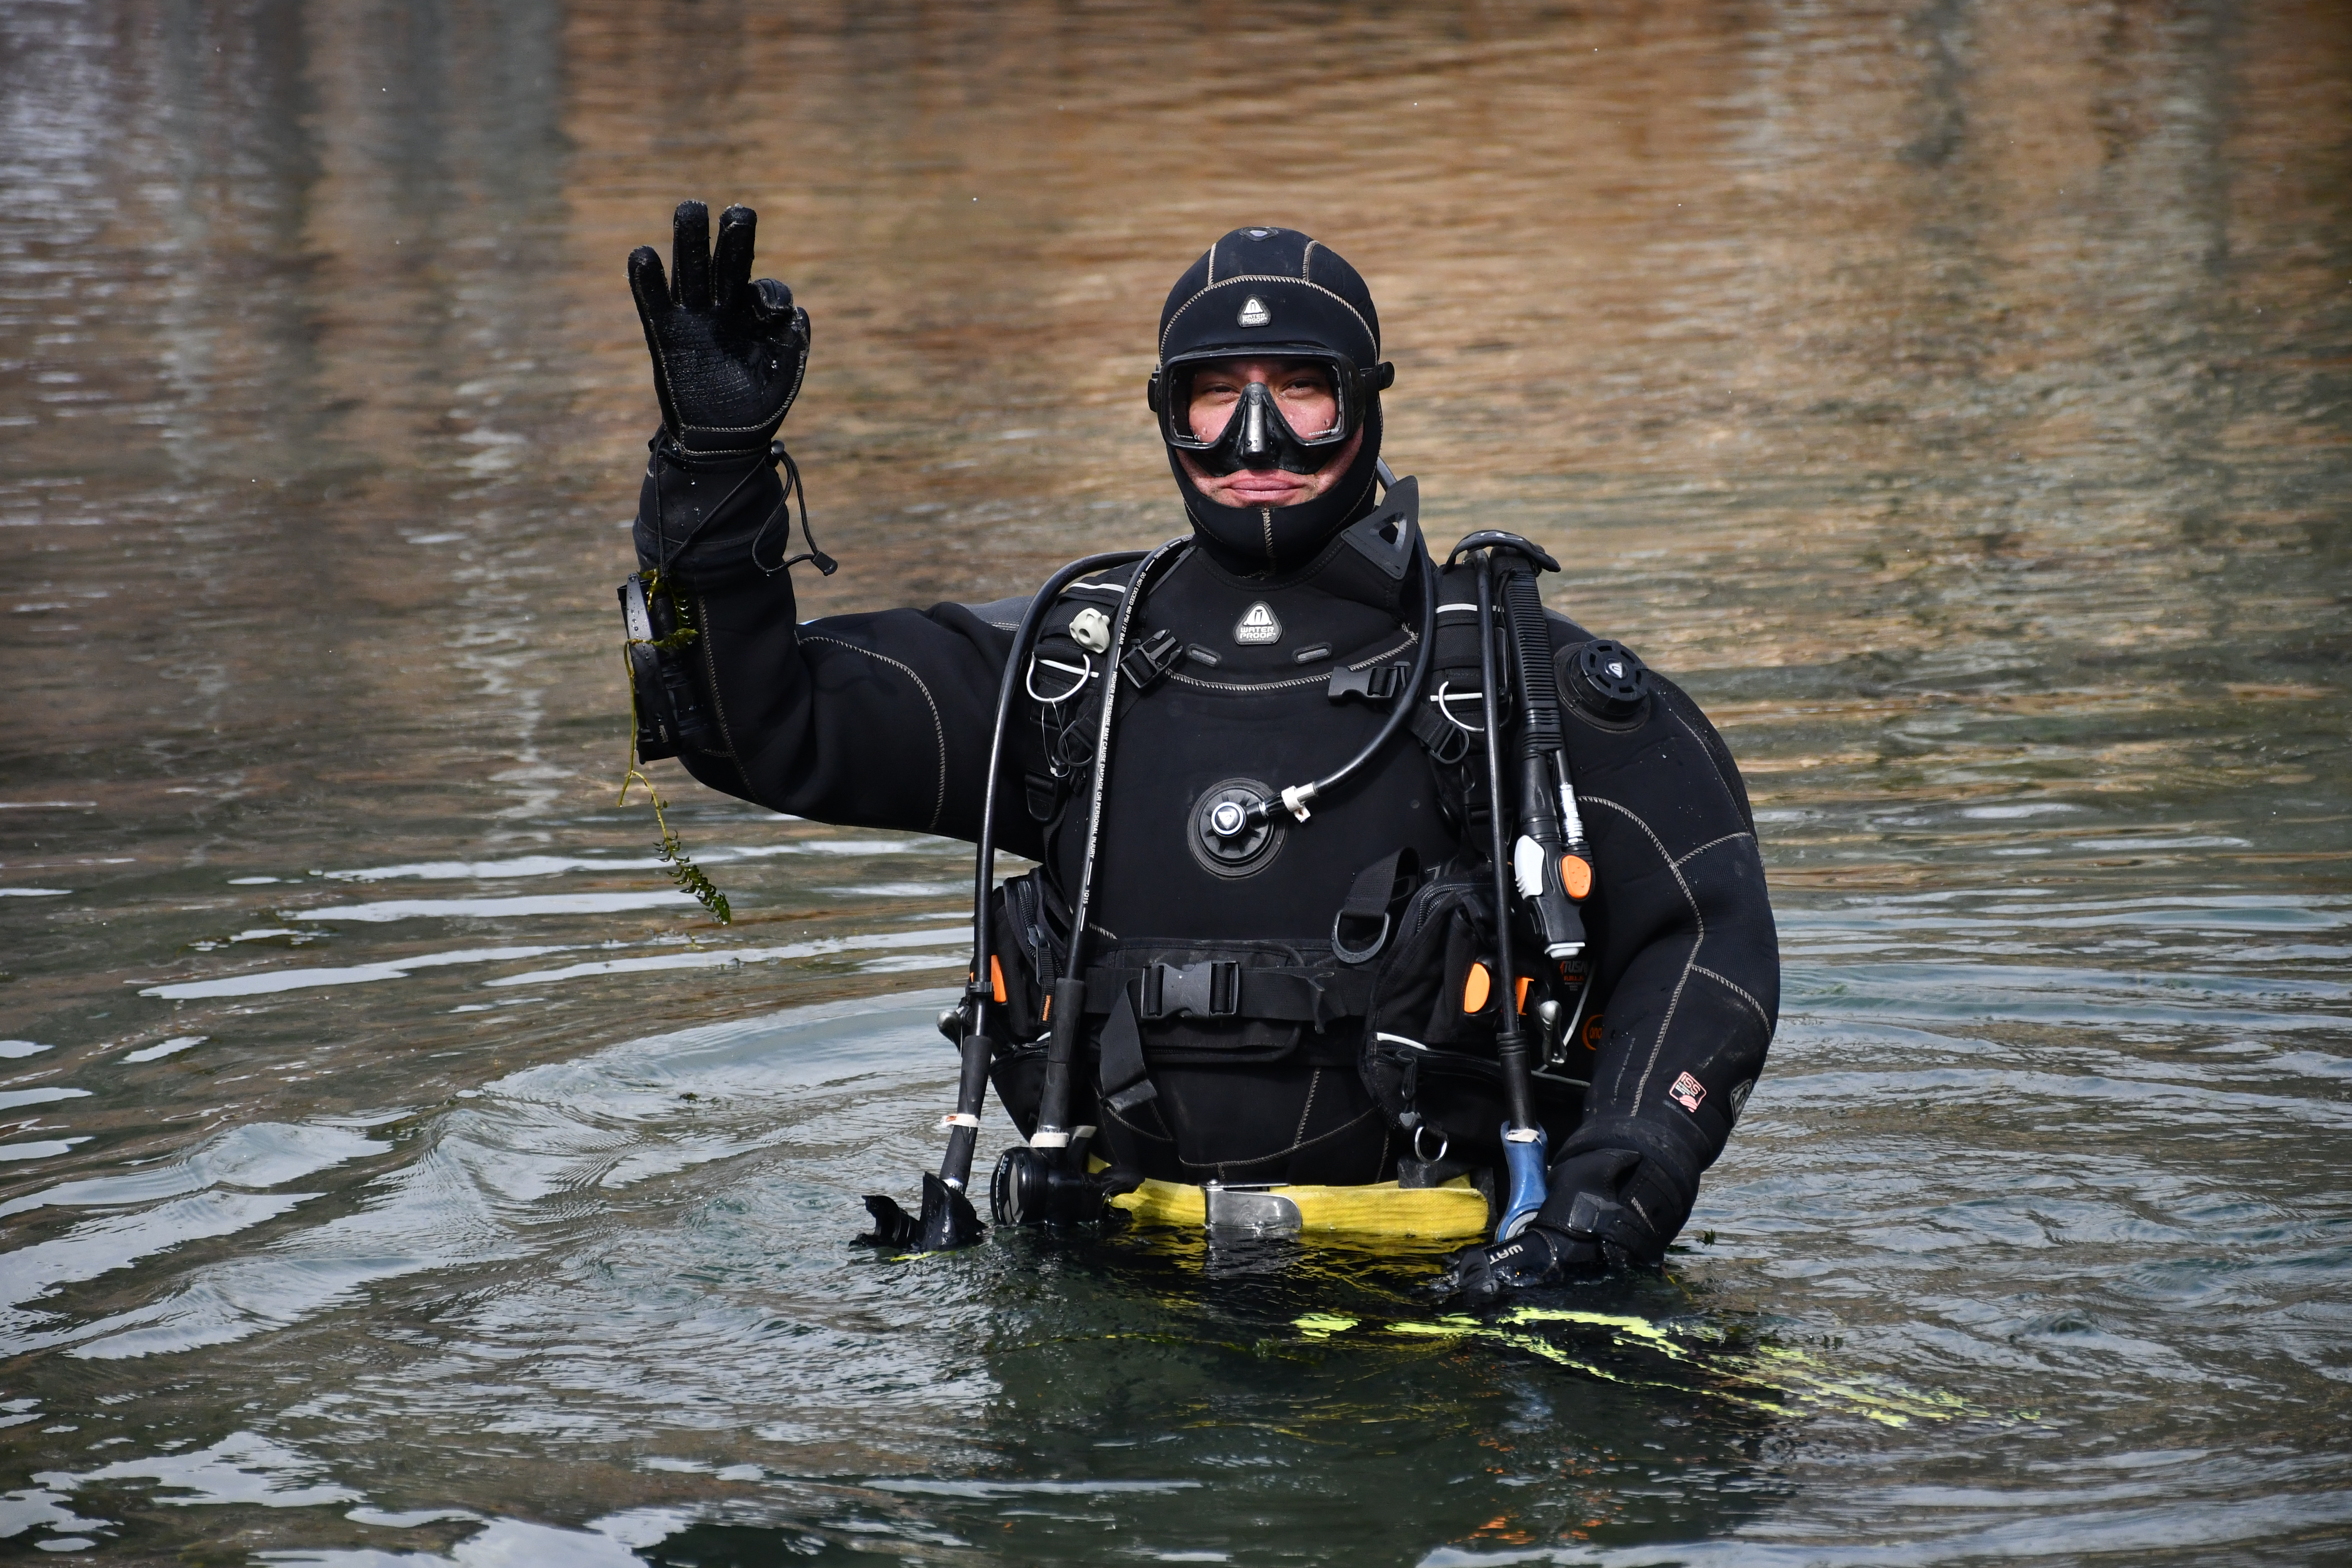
<point x="1255" y="404"/>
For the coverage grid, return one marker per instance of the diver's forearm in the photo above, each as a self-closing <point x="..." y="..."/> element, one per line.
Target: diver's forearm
<point x="1687" y="979"/>
<point x="877" y="720"/>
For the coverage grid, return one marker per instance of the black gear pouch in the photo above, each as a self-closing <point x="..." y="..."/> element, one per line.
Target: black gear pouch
<point x="1428" y="1055"/>
<point x="1029" y="942"/>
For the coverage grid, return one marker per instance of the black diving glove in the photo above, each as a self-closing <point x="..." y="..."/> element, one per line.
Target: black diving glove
<point x="1601" y="1212"/>
<point x="729" y="354"/>
<point x="1537" y="1256"/>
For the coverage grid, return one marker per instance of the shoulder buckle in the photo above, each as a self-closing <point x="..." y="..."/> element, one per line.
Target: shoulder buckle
<point x="1142" y="666"/>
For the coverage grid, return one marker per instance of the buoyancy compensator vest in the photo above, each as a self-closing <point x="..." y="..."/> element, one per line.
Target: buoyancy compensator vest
<point x="1273" y="991"/>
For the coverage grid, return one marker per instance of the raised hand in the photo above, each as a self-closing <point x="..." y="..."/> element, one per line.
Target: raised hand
<point x="729" y="354"/>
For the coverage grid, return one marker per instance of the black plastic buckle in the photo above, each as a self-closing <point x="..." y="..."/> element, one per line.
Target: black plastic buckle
<point x="1209" y="990"/>
<point x="1142" y="665"/>
<point x="1044" y="796"/>
<point x="1379" y="684"/>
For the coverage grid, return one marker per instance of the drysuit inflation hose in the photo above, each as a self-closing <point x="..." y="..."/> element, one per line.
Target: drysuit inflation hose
<point x="1295" y="798"/>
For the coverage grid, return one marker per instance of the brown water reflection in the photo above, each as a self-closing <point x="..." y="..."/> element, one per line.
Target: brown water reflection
<point x="1955" y="396"/>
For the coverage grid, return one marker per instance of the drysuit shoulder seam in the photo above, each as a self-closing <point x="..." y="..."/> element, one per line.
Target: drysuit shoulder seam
<point x="1711" y="843"/>
<point x="1690" y="960"/>
<point x="1736" y="989"/>
<point x="939" y="728"/>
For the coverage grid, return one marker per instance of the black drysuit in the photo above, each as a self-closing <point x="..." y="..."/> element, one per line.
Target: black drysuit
<point x="884" y="720"/>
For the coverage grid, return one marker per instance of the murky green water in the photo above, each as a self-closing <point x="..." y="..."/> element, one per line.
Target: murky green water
<point x="1957" y="397"/>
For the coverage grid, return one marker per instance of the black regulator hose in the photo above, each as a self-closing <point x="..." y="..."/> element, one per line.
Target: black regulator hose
<point x="976" y="1045"/>
<point x="1294" y="799"/>
<point x="1069" y="998"/>
<point x="947" y="1220"/>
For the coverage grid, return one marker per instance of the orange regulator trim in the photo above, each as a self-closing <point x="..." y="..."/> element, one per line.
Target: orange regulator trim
<point x="1476" y="988"/>
<point x="1576" y="876"/>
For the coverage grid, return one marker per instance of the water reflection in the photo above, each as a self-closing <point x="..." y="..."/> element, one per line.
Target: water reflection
<point x="1952" y="394"/>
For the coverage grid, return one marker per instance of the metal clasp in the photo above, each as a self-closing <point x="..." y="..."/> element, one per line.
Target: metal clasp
<point x="1250" y="1211"/>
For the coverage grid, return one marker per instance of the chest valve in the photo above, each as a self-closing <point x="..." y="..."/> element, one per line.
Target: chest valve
<point x="1231" y="834"/>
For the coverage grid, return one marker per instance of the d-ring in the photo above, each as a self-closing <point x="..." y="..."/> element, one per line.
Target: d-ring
<point x="1442" y="697"/>
<point x="1347" y="955"/>
<point x="1085" y="673"/>
<point x="1428" y="1159"/>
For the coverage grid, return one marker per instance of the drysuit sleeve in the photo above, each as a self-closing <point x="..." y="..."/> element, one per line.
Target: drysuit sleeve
<point x="880" y="719"/>
<point x="1686" y="975"/>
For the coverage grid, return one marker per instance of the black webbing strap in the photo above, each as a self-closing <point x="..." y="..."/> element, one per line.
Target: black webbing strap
<point x="1360" y="929"/>
<point x="1221" y="988"/>
<point x="1123" y="1084"/>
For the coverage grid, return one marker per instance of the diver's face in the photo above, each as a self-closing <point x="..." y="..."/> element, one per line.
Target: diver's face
<point x="1304" y="392"/>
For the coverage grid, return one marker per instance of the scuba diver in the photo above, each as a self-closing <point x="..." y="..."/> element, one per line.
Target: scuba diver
<point x="1357" y="869"/>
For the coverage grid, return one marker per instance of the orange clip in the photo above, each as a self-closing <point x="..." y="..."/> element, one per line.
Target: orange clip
<point x="1575" y="876"/>
<point x="1525" y="981"/>
<point x="996" y="977"/>
<point x="1476" y="988"/>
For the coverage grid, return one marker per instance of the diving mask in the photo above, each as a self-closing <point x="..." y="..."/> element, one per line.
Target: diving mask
<point x="1290" y="408"/>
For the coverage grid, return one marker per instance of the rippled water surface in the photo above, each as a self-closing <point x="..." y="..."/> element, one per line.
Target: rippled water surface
<point x="1955" y="396"/>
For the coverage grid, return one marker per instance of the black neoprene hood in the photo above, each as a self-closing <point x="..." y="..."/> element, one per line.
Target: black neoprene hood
<point x="1308" y="296"/>
<point x="1275" y="292"/>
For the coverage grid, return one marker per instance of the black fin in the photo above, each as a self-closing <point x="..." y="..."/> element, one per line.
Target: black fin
<point x="894" y="1227"/>
<point x="948" y="1219"/>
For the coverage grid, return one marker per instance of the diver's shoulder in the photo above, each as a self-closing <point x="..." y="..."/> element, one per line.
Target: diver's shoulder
<point x="1565" y="632"/>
